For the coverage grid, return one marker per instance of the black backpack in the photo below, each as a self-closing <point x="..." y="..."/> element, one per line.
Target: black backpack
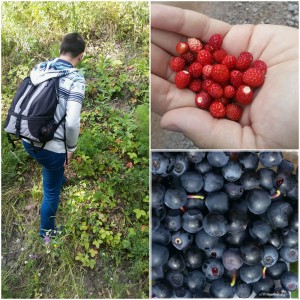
<point x="31" y="114"/>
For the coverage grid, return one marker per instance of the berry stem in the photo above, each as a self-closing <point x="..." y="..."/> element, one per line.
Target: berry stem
<point x="276" y="195"/>
<point x="233" y="278"/>
<point x="195" y="197"/>
<point x="264" y="272"/>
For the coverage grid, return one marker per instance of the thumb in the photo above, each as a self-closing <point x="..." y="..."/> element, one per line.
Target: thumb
<point x="207" y="132"/>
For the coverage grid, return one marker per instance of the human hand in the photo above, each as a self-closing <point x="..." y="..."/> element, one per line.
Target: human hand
<point x="270" y="121"/>
<point x="70" y="156"/>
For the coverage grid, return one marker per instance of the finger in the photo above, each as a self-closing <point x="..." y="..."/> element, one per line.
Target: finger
<point x="160" y="63"/>
<point x="166" y="96"/>
<point x="207" y="132"/>
<point x="186" y="22"/>
<point x="167" y="40"/>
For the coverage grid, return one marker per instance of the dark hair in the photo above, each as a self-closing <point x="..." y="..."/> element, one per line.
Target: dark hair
<point x="72" y="43"/>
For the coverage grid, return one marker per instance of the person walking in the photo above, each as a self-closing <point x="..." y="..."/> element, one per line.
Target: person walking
<point x="57" y="153"/>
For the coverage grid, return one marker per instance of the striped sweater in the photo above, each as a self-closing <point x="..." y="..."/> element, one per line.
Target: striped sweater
<point x="71" y="95"/>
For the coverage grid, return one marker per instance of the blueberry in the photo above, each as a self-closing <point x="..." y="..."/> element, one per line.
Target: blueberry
<point x="270" y="256"/>
<point x="181" y="239"/>
<point x="173" y="220"/>
<point x="205" y="241"/>
<point x="290" y="237"/>
<point x="286" y="166"/>
<point x="195" y="203"/>
<point x="175" y="279"/>
<point x="194" y="156"/>
<point x="275" y="239"/>
<point x="243" y="290"/>
<point x="176" y="263"/>
<point x="155" y="222"/>
<point x="249" y="180"/>
<point x="236" y="221"/>
<point x="182" y="293"/>
<point x="270" y="159"/>
<point x="196" y="281"/>
<point x="284" y="182"/>
<point x="277" y="270"/>
<point x="212" y="182"/>
<point x="221" y="288"/>
<point x="216" y="251"/>
<point x="192" y="220"/>
<point x="232" y="260"/>
<point x="233" y="190"/>
<point x="161" y="165"/>
<point x="157" y="195"/>
<point x="175" y="197"/>
<point x="157" y="273"/>
<point x="217" y="202"/>
<point x="251" y="253"/>
<point x="294" y="222"/>
<point x="194" y="257"/>
<point x="215" y="224"/>
<point x="181" y="165"/>
<point x="266" y="178"/>
<point x="237" y="239"/>
<point x="161" y="235"/>
<point x="258" y="201"/>
<point x="289" y="281"/>
<point x="203" y="167"/>
<point x="161" y="290"/>
<point x="288" y="254"/>
<point x="192" y="181"/>
<point x="217" y="159"/>
<point x="232" y="171"/>
<point x="250" y="274"/>
<point x="160" y="255"/>
<point x="249" y="160"/>
<point x="279" y="214"/>
<point x="260" y="231"/>
<point x="264" y="285"/>
<point x="212" y="269"/>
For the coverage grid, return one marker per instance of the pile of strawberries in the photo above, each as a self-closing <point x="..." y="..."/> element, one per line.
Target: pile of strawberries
<point x="221" y="81"/>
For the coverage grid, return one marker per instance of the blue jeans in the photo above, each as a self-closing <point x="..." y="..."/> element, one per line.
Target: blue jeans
<point x="53" y="180"/>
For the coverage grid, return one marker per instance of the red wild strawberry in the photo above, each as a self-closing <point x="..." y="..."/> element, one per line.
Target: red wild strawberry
<point x="244" y="60"/>
<point x="229" y="61"/>
<point x="215" y="90"/>
<point x="204" y="57"/>
<point x="188" y="57"/>
<point x="195" y="69"/>
<point x="207" y="71"/>
<point x="236" y="78"/>
<point x="177" y="64"/>
<point x="216" y="41"/>
<point x="261" y="65"/>
<point x="244" y="95"/>
<point x="206" y="84"/>
<point x="234" y="112"/>
<point x="220" y="73"/>
<point x="194" y="44"/>
<point x="254" y="77"/>
<point x="203" y="100"/>
<point x="182" y="47"/>
<point x="195" y="85"/>
<point x="217" y="109"/>
<point x="229" y="91"/>
<point x="219" y="55"/>
<point x="182" y="79"/>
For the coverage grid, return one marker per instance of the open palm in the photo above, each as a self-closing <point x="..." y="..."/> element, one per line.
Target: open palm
<point x="271" y="121"/>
